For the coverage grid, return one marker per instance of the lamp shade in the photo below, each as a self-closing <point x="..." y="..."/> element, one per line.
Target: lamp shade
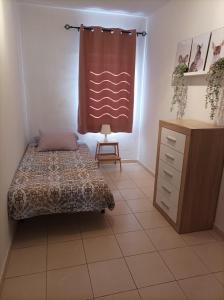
<point x="105" y="129"/>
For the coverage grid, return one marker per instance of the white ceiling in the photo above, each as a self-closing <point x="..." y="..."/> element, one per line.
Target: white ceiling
<point x="132" y="7"/>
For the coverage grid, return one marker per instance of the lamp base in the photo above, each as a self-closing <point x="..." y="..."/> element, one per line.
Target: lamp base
<point x="105" y="138"/>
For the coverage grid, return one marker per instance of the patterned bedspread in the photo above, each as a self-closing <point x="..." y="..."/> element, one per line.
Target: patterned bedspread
<point x="57" y="182"/>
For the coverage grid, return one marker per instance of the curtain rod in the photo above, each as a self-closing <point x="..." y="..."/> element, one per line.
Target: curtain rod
<point x="67" y="27"/>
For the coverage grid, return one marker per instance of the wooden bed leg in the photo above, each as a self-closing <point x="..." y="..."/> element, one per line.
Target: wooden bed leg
<point x="103" y="211"/>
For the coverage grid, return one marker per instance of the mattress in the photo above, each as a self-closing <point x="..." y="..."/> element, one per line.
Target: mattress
<point x="57" y="182"/>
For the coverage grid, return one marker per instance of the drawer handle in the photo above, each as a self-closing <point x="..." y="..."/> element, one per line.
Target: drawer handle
<point x="167" y="173"/>
<point x="166" y="189"/>
<point x="170" y="138"/>
<point x="164" y="204"/>
<point x="169" y="156"/>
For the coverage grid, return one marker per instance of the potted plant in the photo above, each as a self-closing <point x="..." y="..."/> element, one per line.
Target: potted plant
<point x="180" y="90"/>
<point x="215" y="91"/>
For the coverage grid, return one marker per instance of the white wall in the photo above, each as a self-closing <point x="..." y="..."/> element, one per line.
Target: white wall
<point x="51" y="54"/>
<point x="12" y="126"/>
<point x="176" y="21"/>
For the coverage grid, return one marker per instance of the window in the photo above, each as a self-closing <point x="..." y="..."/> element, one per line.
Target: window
<point x="106" y="79"/>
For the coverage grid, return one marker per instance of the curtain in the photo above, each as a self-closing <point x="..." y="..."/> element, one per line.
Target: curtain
<point x="106" y="79"/>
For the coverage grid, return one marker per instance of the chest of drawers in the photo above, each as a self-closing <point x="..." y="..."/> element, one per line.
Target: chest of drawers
<point x="190" y="160"/>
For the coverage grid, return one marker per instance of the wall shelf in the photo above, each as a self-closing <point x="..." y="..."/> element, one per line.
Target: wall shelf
<point x="200" y="73"/>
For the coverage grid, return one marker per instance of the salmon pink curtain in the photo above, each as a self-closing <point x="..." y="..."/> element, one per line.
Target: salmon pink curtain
<point x="106" y="79"/>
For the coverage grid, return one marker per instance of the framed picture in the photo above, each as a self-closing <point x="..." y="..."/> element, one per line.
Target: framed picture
<point x="216" y="48"/>
<point x="183" y="52"/>
<point x="199" y="52"/>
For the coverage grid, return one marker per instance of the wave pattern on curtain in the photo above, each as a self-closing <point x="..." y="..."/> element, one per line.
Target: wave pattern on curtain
<point x="106" y="79"/>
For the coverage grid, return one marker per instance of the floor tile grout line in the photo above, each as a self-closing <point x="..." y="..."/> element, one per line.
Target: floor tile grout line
<point x="184" y="278"/>
<point x="117" y="258"/>
<point x="166" y="248"/>
<point x="160" y="256"/>
<point x="120" y="233"/>
<point x="201" y="260"/>
<point x="87" y="265"/>
<point x="46" y="265"/>
<point x="25" y="275"/>
<point x="192" y="277"/>
<point x="207" y="267"/>
<point x="222" y="283"/>
<point x="138" y="254"/>
<point x="157" y="284"/>
<point x="116" y="293"/>
<point x="185" y="294"/>
<point x="126" y="264"/>
<point x="171" y="272"/>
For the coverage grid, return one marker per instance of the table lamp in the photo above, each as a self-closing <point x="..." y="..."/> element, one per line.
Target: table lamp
<point x="105" y="129"/>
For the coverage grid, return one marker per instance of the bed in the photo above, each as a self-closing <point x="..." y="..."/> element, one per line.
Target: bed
<point x="57" y="182"/>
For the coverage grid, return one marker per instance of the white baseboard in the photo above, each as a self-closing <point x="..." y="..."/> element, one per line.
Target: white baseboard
<point x="5" y="262"/>
<point x="219" y="231"/>
<point x="129" y="161"/>
<point x="152" y="172"/>
<point x="3" y="268"/>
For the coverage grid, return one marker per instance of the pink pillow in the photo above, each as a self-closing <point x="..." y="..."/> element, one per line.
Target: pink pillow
<point x="57" y="141"/>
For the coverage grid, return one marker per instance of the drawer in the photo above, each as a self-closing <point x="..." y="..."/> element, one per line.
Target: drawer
<point x="168" y="191"/>
<point x="171" y="157"/>
<point x="173" y="139"/>
<point x="163" y="203"/>
<point x="169" y="174"/>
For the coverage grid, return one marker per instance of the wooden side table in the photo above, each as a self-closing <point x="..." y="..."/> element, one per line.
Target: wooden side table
<point x="107" y="156"/>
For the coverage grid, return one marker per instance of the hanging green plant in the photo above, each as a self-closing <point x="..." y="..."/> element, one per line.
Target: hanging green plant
<point x="215" y="89"/>
<point x="180" y="90"/>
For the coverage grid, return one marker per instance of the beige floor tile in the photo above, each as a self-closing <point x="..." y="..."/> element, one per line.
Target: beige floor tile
<point x="202" y="288"/>
<point x="65" y="254"/>
<point x="116" y="176"/>
<point x="25" y="287"/>
<point x="124" y="184"/>
<point x="135" y="242"/>
<point x="165" y="238"/>
<point x="62" y="232"/>
<point x="30" y="236"/>
<point x="147" y="190"/>
<point x="95" y="226"/>
<point x="71" y="220"/>
<point x="101" y="248"/>
<point x="124" y="223"/>
<point x="132" y="193"/>
<point x="199" y="237"/>
<point x="140" y="176"/>
<point x="212" y="255"/>
<point x="117" y="196"/>
<point x="138" y="172"/>
<point x="151" y="219"/>
<point x="140" y="205"/>
<point x="35" y="222"/>
<point x="121" y="208"/>
<point x="69" y="283"/>
<point x="130" y="167"/>
<point x="217" y="235"/>
<point x="26" y="261"/>
<point x="131" y="295"/>
<point x="110" y="277"/>
<point x="112" y="186"/>
<point x="183" y="262"/>
<point x="148" y="269"/>
<point x="146" y="181"/>
<point x="106" y="176"/>
<point x="165" y="291"/>
<point x="220" y="277"/>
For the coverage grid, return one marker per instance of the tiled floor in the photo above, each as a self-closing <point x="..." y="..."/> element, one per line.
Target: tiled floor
<point x="131" y="253"/>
